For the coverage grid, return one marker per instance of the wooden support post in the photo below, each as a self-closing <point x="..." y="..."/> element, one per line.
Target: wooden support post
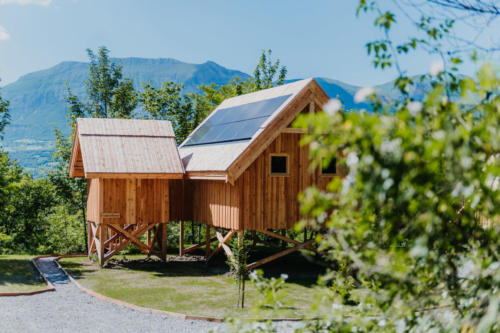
<point x="155" y="240"/>
<point x="181" y="238"/>
<point x="102" y="235"/>
<point x="207" y="240"/>
<point x="163" y="229"/>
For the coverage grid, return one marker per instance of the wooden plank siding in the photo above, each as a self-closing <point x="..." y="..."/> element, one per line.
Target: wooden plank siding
<point x="212" y="202"/>
<point x="270" y="202"/>
<point x="93" y="213"/>
<point x="257" y="200"/>
<point x="129" y="201"/>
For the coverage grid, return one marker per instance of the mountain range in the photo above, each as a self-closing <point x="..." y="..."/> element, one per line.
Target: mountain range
<point x="37" y="104"/>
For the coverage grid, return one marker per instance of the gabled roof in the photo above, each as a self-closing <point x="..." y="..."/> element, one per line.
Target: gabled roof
<point x="124" y="148"/>
<point x="224" y="149"/>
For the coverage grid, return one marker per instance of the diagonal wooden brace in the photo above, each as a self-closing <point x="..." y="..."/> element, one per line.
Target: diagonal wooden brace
<point x="279" y="254"/>
<point x="286" y="239"/>
<point x="130" y="237"/>
<point x="136" y="234"/>
<point x="222" y="243"/>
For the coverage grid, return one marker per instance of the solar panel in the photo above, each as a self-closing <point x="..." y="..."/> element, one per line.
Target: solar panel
<point x="235" y="123"/>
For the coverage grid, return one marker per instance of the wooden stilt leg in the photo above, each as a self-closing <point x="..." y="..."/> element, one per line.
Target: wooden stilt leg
<point x="156" y="231"/>
<point x="102" y="235"/>
<point x="181" y="238"/>
<point x="163" y="230"/>
<point x="207" y="240"/>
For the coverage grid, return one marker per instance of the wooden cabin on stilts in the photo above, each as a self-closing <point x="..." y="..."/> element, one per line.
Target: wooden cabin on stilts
<point x="240" y="170"/>
<point x="133" y="168"/>
<point x="245" y="167"/>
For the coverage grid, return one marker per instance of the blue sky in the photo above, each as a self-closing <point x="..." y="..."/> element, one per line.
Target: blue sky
<point x="312" y="38"/>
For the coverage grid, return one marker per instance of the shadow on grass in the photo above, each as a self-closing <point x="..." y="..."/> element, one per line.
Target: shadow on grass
<point x="18" y="271"/>
<point x="299" y="269"/>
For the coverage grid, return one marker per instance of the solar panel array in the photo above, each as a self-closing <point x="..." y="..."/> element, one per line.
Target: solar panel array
<point x="235" y="123"/>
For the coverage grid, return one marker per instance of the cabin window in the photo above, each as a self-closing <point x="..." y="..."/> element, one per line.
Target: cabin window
<point x="329" y="168"/>
<point x="279" y="165"/>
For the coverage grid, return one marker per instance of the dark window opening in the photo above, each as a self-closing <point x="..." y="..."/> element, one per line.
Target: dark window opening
<point x="279" y="164"/>
<point x="330" y="168"/>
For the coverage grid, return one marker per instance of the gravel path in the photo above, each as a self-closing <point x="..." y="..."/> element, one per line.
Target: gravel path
<point x="68" y="309"/>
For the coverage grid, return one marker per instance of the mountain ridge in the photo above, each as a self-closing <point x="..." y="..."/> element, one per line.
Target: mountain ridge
<point x="37" y="104"/>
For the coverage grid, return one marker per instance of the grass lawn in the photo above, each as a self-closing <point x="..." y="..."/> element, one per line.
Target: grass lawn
<point x="17" y="274"/>
<point x="187" y="287"/>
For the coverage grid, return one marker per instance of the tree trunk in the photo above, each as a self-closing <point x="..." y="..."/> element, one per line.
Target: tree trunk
<point x="243" y="295"/>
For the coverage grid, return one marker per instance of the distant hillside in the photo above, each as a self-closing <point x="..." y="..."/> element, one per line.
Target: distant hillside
<point x="37" y="99"/>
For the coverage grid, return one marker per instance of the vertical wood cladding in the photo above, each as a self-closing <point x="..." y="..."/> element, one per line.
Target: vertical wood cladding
<point x="269" y="201"/>
<point x="257" y="200"/>
<point x="213" y="202"/>
<point x="128" y="201"/>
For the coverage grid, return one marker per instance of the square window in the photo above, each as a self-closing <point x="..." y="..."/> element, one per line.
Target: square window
<point x="329" y="169"/>
<point x="279" y="165"/>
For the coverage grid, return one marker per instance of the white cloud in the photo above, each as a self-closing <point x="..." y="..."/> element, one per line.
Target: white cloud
<point x="3" y="34"/>
<point x="26" y="2"/>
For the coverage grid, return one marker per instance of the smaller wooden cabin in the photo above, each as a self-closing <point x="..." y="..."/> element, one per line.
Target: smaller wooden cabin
<point x="245" y="166"/>
<point x="132" y="168"/>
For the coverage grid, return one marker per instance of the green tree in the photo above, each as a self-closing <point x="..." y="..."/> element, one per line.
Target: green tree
<point x="27" y="207"/>
<point x="108" y="94"/>
<point x="266" y="71"/>
<point x="415" y="222"/>
<point x="238" y="263"/>
<point x="408" y="221"/>
<point x="71" y="192"/>
<point x="168" y="103"/>
<point x="24" y="204"/>
<point x="4" y="115"/>
<point x="188" y="111"/>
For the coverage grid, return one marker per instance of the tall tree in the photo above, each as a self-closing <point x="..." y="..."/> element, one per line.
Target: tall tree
<point x="4" y="115"/>
<point x="108" y="94"/>
<point x="266" y="70"/>
<point x="72" y="192"/>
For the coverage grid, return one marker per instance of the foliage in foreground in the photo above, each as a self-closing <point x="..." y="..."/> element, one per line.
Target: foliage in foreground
<point x="416" y="221"/>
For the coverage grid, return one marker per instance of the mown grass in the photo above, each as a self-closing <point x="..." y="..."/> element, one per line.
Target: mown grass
<point x="187" y="287"/>
<point x="17" y="274"/>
